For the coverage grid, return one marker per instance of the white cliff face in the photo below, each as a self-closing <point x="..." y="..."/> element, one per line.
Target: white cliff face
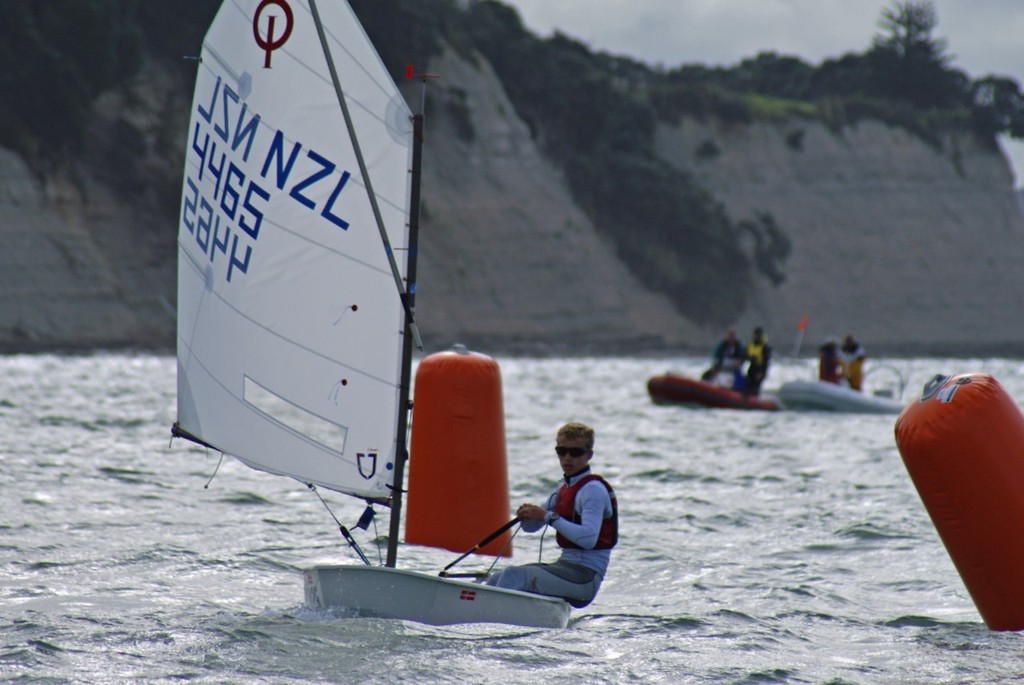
<point x="908" y="247"/>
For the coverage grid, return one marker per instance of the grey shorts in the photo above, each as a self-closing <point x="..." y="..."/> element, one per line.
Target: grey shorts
<point x="574" y="583"/>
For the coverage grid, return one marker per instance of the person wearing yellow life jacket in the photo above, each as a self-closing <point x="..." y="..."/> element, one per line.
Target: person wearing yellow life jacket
<point x="758" y="355"/>
<point x="851" y="356"/>
<point x="585" y="516"/>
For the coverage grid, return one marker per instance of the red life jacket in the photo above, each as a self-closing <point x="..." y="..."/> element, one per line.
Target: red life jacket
<point x="566" y="508"/>
<point x="828" y="369"/>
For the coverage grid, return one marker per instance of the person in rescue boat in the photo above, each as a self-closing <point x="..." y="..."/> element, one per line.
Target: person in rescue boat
<point x="829" y="367"/>
<point x="758" y="355"/>
<point x="585" y="516"/>
<point x="851" y="356"/>
<point x="728" y="356"/>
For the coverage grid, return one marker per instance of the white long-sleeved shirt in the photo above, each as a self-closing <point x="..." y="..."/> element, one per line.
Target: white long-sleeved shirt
<point x="593" y="504"/>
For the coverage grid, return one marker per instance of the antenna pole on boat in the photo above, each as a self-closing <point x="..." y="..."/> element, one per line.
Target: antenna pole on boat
<point x="410" y="321"/>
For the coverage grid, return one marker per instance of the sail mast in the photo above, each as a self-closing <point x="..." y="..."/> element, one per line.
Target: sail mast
<point x="401" y="453"/>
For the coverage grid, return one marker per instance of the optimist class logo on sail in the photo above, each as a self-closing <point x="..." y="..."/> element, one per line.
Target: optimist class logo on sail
<point x="238" y="166"/>
<point x="270" y="40"/>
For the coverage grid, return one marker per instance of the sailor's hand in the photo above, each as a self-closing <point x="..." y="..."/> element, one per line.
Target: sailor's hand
<point x="527" y="512"/>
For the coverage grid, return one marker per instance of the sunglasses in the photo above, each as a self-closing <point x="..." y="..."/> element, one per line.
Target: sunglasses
<point x="573" y="451"/>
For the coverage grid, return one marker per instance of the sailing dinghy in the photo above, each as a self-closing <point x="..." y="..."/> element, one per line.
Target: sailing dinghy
<point x="296" y="280"/>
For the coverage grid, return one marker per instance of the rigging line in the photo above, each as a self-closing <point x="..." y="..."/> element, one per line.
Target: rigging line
<point x="540" y="549"/>
<point x="178" y="432"/>
<point x="483" y="542"/>
<point x="341" y="527"/>
<point x="371" y="195"/>
<point x="505" y="547"/>
<point x="481" y="575"/>
<point x="215" y="471"/>
<point x="376" y="537"/>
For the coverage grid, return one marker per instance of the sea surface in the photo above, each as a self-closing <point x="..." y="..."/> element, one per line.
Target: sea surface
<point x="756" y="547"/>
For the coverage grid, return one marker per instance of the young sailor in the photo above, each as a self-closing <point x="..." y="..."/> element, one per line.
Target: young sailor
<point x="585" y="516"/>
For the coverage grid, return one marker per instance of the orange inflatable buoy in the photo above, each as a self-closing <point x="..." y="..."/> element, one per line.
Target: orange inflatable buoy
<point x="458" y="477"/>
<point x="963" y="445"/>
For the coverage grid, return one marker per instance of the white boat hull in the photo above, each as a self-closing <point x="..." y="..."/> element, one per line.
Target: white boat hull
<point x="822" y="396"/>
<point x="383" y="592"/>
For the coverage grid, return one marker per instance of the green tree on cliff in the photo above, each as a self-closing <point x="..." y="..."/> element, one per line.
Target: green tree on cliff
<point x="908" y="63"/>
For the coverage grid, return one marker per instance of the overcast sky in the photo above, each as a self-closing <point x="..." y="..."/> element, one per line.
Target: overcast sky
<point x="983" y="36"/>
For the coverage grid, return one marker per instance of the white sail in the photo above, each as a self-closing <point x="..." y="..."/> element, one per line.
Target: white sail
<point x="290" y="323"/>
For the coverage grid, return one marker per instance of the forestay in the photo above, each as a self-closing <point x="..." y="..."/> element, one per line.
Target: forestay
<point x="290" y="323"/>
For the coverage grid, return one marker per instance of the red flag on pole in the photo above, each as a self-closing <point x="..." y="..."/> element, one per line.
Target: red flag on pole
<point x="800" y="327"/>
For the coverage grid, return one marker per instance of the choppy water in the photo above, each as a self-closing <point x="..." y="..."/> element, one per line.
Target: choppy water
<point x="756" y="547"/>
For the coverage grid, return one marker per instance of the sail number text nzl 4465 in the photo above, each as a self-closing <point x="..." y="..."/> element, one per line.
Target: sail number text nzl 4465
<point x="239" y="166"/>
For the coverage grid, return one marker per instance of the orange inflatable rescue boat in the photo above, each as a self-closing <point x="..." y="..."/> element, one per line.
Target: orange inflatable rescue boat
<point x="963" y="445"/>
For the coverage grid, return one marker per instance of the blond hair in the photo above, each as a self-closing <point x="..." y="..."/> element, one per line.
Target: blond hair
<point x="574" y="430"/>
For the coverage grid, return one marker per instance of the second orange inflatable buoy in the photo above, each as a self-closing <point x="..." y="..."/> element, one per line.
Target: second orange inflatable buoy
<point x="963" y="445"/>
<point x="458" y="477"/>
